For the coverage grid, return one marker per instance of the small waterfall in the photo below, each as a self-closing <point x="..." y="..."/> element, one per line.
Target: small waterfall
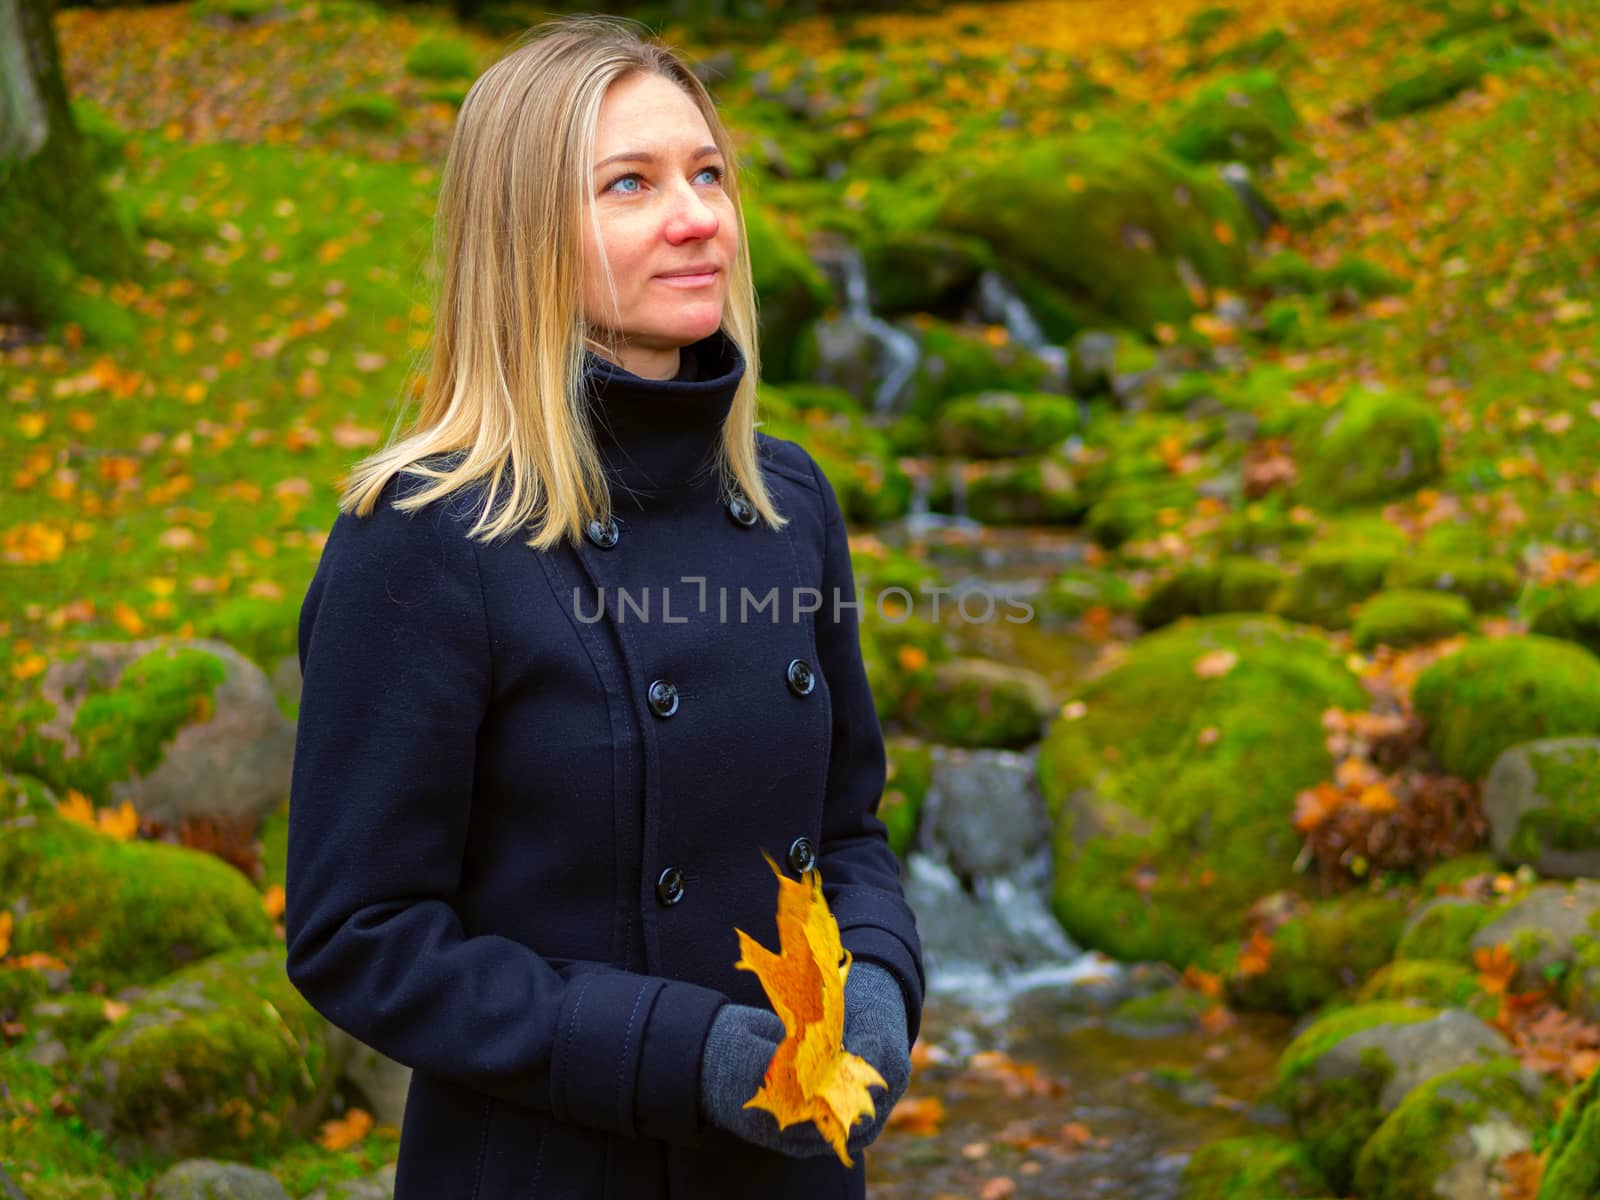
<point x="848" y="272"/>
<point x="999" y="304"/>
<point x="979" y="880"/>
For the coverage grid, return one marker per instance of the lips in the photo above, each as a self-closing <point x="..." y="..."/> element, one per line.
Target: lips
<point x="689" y="273"/>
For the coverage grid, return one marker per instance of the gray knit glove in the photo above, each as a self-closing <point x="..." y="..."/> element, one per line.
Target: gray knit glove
<point x="740" y="1044"/>
<point x="877" y="1028"/>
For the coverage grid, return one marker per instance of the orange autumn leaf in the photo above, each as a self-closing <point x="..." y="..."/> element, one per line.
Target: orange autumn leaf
<point x="345" y="1131"/>
<point x="917" y="1114"/>
<point x="1256" y="954"/>
<point x="1496" y="968"/>
<point x="811" y="1077"/>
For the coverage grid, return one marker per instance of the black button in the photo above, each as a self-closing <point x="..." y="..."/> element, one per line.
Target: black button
<point x="802" y="680"/>
<point x="604" y="535"/>
<point x="801" y="857"/>
<point x="663" y="698"/>
<point x="742" y="511"/>
<point x="669" y="887"/>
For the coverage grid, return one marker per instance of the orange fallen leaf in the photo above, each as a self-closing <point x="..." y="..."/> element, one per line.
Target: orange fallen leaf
<point x="1215" y="664"/>
<point x="1496" y="968"/>
<point x="917" y="1114"/>
<point x="1256" y="954"/>
<point x="345" y="1131"/>
<point x="811" y="1077"/>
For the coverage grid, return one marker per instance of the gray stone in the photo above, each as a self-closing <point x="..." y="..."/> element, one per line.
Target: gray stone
<point x="1516" y="788"/>
<point x="213" y="1179"/>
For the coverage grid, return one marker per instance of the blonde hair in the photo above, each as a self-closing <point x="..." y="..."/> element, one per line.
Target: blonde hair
<point x="504" y="378"/>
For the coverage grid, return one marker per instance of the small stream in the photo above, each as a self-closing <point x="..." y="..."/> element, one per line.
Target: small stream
<point x="1041" y="1093"/>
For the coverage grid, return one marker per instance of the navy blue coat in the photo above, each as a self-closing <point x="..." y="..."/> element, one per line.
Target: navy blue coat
<point x="522" y="831"/>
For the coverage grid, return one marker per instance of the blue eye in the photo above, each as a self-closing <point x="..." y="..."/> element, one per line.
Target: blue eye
<point x="716" y="171"/>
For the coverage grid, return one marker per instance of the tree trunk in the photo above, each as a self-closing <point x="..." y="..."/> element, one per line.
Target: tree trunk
<point x="55" y="218"/>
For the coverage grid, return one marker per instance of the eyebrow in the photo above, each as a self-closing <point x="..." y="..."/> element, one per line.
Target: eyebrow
<point x="646" y="156"/>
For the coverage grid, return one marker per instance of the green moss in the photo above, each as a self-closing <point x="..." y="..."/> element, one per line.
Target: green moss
<point x="1091" y="256"/>
<point x="793" y="293"/>
<point x="1335" y="1117"/>
<point x="1256" y="1167"/>
<point x="441" y="58"/>
<point x="1443" y="930"/>
<point x="1246" y="118"/>
<point x="1432" y="84"/>
<point x="119" y="732"/>
<point x="44" y="1139"/>
<point x="1325" y="950"/>
<point x="1231" y="584"/>
<point x="1036" y="490"/>
<point x="363" y="110"/>
<point x="1454" y="871"/>
<point x="1572" y="1159"/>
<point x="1404" y="618"/>
<point x="997" y="424"/>
<point x="1497" y="692"/>
<point x="1371" y="447"/>
<point x="1169" y="1010"/>
<point x="1332" y="580"/>
<point x="910" y="768"/>
<point x="122" y="912"/>
<point x="1488" y="585"/>
<point x="957" y="361"/>
<point x="975" y="702"/>
<point x="1572" y="613"/>
<point x="263" y="630"/>
<point x="1078" y="589"/>
<point x="223" y="1059"/>
<point x="1433" y="982"/>
<point x="1162" y="843"/>
<point x="1409" y="1154"/>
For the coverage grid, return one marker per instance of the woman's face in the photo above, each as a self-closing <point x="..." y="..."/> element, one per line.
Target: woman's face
<point x="657" y="219"/>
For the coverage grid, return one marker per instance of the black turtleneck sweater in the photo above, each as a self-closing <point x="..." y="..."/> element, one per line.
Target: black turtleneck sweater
<point x="536" y="797"/>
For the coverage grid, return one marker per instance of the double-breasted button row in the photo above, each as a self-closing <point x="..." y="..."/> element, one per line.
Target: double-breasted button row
<point x="802" y="857"/>
<point x="605" y="534"/>
<point x="669" y="886"/>
<point x="662" y="694"/>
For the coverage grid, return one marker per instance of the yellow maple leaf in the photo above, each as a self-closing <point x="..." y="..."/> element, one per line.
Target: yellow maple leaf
<point x="811" y="1077"/>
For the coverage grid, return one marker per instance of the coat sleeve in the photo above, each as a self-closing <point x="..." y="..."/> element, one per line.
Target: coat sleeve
<point x="397" y="677"/>
<point x="860" y="873"/>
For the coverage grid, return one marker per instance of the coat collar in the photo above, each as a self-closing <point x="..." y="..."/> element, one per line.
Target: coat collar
<point x="662" y="434"/>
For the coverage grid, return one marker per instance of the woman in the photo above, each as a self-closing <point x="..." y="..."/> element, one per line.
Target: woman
<point x="560" y="701"/>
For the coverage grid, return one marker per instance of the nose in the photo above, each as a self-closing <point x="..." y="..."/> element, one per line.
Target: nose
<point x="692" y="217"/>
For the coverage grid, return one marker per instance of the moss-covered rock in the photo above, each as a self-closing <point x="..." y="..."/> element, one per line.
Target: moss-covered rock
<point x="1542" y="801"/>
<point x="1572" y="1159"/>
<point x="1326" y="949"/>
<point x="1331" y="582"/>
<point x="1099" y="361"/>
<point x="1430" y="982"/>
<point x="976" y="702"/>
<point x="1497" y="692"/>
<point x="910" y="767"/>
<point x="922" y="270"/>
<point x="223" y="1059"/>
<point x="1543" y="929"/>
<point x="1131" y="232"/>
<point x="1489" y="585"/>
<point x="1572" y="613"/>
<point x="1243" y="118"/>
<point x="1403" y="618"/>
<point x="958" y="361"/>
<point x="1450" y="1134"/>
<point x="1164" y="838"/>
<point x="1000" y="424"/>
<point x="1228" y="585"/>
<point x="1344" y="1074"/>
<point x="1036" y="490"/>
<point x="120" y="912"/>
<point x="1433" y="83"/>
<point x="1255" y="1167"/>
<point x="1370" y="447"/>
<point x="1442" y="929"/>
<point x="1133" y="509"/>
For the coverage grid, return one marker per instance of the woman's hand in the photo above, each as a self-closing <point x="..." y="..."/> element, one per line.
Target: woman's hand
<point x="739" y="1046"/>
<point x="875" y="1028"/>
